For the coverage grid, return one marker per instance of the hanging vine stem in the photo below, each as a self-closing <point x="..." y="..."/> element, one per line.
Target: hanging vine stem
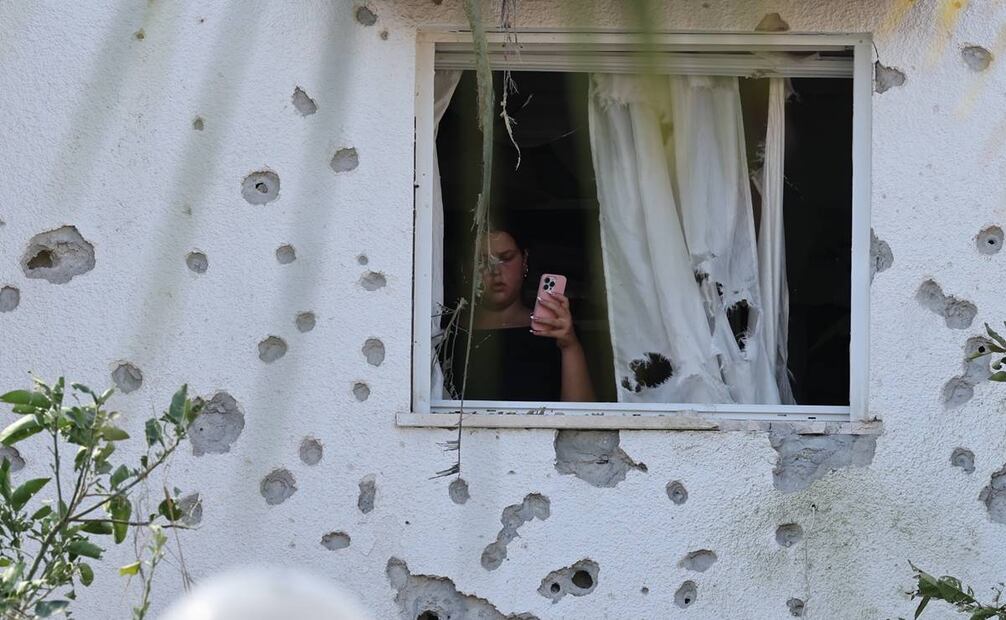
<point x="484" y="78"/>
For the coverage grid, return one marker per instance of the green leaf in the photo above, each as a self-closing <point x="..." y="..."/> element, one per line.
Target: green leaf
<point x="101" y="528"/>
<point x="922" y="605"/>
<point x="153" y="431"/>
<point x="120" y="474"/>
<point x="86" y="573"/>
<point x="44" y="609"/>
<point x="113" y="433"/>
<point x="984" y="613"/>
<point x="24" y="397"/>
<point x="42" y="513"/>
<point x="120" y="509"/>
<point x="130" y="569"/>
<point x="80" y="387"/>
<point x="85" y="548"/>
<point x="5" y="479"/>
<point x="177" y="410"/>
<point x="994" y="336"/>
<point x="998" y="376"/>
<point x="169" y="510"/>
<point x="25" y="427"/>
<point x="26" y="491"/>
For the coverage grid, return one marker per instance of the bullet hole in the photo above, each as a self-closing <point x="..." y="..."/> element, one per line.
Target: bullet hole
<point x="260" y="187"/>
<point x="197" y="262"/>
<point x="127" y="377"/>
<point x="458" y="491"/>
<point x="10" y="297"/>
<point x="285" y="254"/>
<point x="362" y="259"/>
<point x="139" y="34"/>
<point x="12" y="456"/>
<point x="303" y="104"/>
<point x="429" y="597"/>
<point x="738" y="315"/>
<point x="644" y="590"/>
<point x="361" y="391"/>
<point x="365" y="16"/>
<point x="788" y="534"/>
<point x="960" y="389"/>
<point x="963" y="458"/>
<point x="977" y="58"/>
<point x="579" y="579"/>
<point x="373" y="280"/>
<point x="647" y="372"/>
<point x="368" y="489"/>
<point x="305" y="322"/>
<point x="802" y="459"/>
<point x="593" y="456"/>
<point x="535" y="505"/>
<point x="976" y="369"/>
<point x="217" y="426"/>
<point x="197" y="123"/>
<point x="344" y="160"/>
<point x="990" y="240"/>
<point x="676" y="492"/>
<point x="796" y="607"/>
<point x="373" y="350"/>
<point x="333" y="541"/>
<point x="956" y="392"/>
<point x="271" y="349"/>
<point x="957" y="313"/>
<point x="699" y="561"/>
<point x="277" y="486"/>
<point x="886" y="78"/>
<point x="384" y="35"/>
<point x="191" y="508"/>
<point x="881" y="257"/>
<point x="772" y="22"/>
<point x="58" y="255"/>
<point x="994" y="496"/>
<point x="311" y="451"/>
<point x="686" y="595"/>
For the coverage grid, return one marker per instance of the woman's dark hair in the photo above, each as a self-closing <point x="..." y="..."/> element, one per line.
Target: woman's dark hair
<point x="501" y="221"/>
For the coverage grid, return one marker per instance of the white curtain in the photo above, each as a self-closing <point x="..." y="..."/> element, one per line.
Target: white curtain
<point x="444" y="84"/>
<point x="772" y="241"/>
<point x="654" y="309"/>
<point x="678" y="241"/>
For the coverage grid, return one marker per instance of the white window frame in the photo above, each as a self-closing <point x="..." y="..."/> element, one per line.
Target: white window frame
<point x="591" y="51"/>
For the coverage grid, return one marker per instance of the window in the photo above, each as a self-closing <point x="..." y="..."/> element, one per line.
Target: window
<point x="752" y="305"/>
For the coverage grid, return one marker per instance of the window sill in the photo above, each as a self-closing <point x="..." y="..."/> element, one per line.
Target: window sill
<point x="637" y="416"/>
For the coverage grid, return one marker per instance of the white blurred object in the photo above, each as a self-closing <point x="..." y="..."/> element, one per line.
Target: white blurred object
<point x="266" y="594"/>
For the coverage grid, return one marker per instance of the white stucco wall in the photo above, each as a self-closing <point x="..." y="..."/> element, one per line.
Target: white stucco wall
<point x="97" y="133"/>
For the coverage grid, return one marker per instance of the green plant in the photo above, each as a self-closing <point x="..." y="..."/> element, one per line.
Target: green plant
<point x="951" y="590"/>
<point x="948" y="588"/>
<point x="43" y="552"/>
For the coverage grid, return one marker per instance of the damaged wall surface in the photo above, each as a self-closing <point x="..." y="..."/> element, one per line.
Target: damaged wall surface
<point x="227" y="201"/>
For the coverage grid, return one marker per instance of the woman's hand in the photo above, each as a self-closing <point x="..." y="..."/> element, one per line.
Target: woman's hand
<point x="561" y="327"/>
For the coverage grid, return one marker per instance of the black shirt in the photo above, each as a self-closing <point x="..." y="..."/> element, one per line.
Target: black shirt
<point x="506" y="364"/>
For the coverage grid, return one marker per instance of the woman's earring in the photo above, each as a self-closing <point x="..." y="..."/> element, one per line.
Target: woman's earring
<point x="525" y="272"/>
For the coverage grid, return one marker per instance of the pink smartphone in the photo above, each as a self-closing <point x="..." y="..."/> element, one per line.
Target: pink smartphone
<point x="549" y="283"/>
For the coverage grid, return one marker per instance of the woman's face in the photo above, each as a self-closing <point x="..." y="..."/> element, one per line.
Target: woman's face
<point x="502" y="271"/>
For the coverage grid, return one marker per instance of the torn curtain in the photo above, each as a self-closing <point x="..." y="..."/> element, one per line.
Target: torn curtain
<point x="678" y="241"/>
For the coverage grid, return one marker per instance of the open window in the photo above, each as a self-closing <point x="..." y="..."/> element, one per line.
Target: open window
<point x="707" y="201"/>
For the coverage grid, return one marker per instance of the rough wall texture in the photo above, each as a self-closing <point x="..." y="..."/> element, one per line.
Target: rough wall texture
<point x="143" y="146"/>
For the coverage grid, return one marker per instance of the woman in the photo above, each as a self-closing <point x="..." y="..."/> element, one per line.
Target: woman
<point x="511" y="359"/>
